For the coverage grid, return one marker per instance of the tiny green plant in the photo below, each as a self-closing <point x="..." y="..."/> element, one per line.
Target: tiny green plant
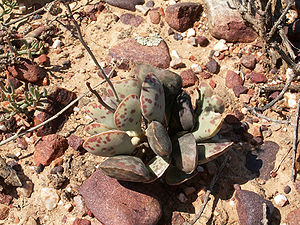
<point x="6" y="7"/>
<point x="31" y="98"/>
<point x="153" y="131"/>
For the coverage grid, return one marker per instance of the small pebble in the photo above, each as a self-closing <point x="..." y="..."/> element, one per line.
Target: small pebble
<point x="287" y="189"/>
<point x="192" y="41"/>
<point x="56" y="44"/>
<point x="202" y="41"/>
<point x="280" y="200"/>
<point x="170" y="31"/>
<point x="49" y="197"/>
<point x="221" y="46"/>
<point x="190" y="33"/>
<point x="68" y="207"/>
<point x="174" y="54"/>
<point x="196" y="68"/>
<point x="143" y="9"/>
<point x="57" y="170"/>
<point x="26" y="190"/>
<point x="178" y="37"/>
<point x="150" y="4"/>
<point x="80" y="205"/>
<point x="39" y="168"/>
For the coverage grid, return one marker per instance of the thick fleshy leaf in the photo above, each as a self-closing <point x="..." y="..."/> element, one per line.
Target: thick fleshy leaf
<point x="124" y="88"/>
<point x="157" y="166"/>
<point x="126" y="168"/>
<point x="175" y="176"/>
<point x="109" y="143"/>
<point x="185" y="153"/>
<point x="152" y="99"/>
<point x="209" y="124"/>
<point x="128" y="114"/>
<point x="159" y="139"/>
<point x="185" y="111"/>
<point x="210" y="151"/>
<point x="209" y="101"/>
<point x="96" y="128"/>
<point x="100" y="114"/>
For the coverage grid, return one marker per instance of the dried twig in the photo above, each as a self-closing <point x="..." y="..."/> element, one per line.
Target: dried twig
<point x="47" y="7"/>
<point x="295" y="142"/>
<point x="281" y="161"/>
<point x="286" y="86"/>
<point x="208" y="192"/>
<point x="255" y="113"/>
<point x="279" y="87"/>
<point x="89" y="51"/>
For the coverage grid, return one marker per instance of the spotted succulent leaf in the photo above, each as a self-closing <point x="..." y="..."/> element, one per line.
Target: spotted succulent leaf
<point x="124" y="88"/>
<point x="126" y="168"/>
<point x="209" y="124"/>
<point x="175" y="176"/>
<point x="152" y="99"/>
<point x="159" y="139"/>
<point x="128" y="114"/>
<point x="100" y="114"/>
<point x="157" y="166"/>
<point x="185" y="153"/>
<point x="96" y="128"/>
<point x="109" y="143"/>
<point x="210" y="151"/>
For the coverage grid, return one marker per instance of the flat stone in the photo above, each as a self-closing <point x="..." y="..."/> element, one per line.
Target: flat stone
<point x="213" y="66"/>
<point x="188" y="78"/>
<point x="239" y="89"/>
<point x="258" y="77"/>
<point x="262" y="161"/>
<point x="49" y="148"/>
<point x="181" y="16"/>
<point x="125" y="4"/>
<point x="250" y="207"/>
<point x="28" y="71"/>
<point x="226" y="23"/>
<point x="131" y="51"/>
<point x="104" y="196"/>
<point x="130" y="19"/>
<point x="248" y="61"/>
<point x="293" y="217"/>
<point x="75" y="142"/>
<point x="232" y="79"/>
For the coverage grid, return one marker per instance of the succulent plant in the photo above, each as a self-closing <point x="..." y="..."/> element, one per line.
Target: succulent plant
<point x="154" y="130"/>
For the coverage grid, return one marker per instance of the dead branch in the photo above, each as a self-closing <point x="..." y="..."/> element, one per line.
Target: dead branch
<point x="295" y="143"/>
<point x="208" y="192"/>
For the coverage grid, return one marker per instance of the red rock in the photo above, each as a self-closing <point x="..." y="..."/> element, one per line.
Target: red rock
<point x="75" y="142"/>
<point x="130" y="19"/>
<point x="293" y="217"/>
<point x="154" y="16"/>
<point x="250" y="207"/>
<point x="212" y="66"/>
<point x="226" y="23"/>
<point x="245" y="98"/>
<point x="43" y="59"/>
<point x="56" y="101"/>
<point x="125" y="4"/>
<point x="22" y="143"/>
<point x="4" y="211"/>
<point x="248" y="61"/>
<point x="131" y="51"/>
<point x="79" y="221"/>
<point x="105" y="196"/>
<point x="212" y="84"/>
<point x="202" y="41"/>
<point x="49" y="148"/>
<point x="5" y="199"/>
<point x="232" y="79"/>
<point x="258" y="77"/>
<point x="181" y="16"/>
<point x="188" y="78"/>
<point x="27" y="70"/>
<point x="239" y="89"/>
<point x="205" y="75"/>
<point x="161" y="11"/>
